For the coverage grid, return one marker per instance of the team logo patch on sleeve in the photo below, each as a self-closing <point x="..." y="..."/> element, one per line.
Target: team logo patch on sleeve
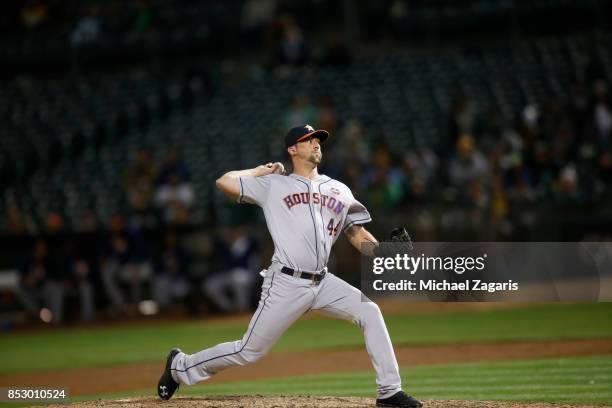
<point x="335" y="191"/>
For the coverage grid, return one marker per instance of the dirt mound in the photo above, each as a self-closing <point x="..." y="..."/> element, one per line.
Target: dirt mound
<point x="258" y="401"/>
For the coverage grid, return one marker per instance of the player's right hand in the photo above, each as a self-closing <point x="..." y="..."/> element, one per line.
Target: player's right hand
<point x="278" y="168"/>
<point x="270" y="168"/>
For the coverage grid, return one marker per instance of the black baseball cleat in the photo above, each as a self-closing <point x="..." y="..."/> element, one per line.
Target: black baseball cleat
<point x="400" y="399"/>
<point x="166" y="387"/>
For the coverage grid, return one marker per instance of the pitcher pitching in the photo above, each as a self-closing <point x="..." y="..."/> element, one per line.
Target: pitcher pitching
<point x="305" y="213"/>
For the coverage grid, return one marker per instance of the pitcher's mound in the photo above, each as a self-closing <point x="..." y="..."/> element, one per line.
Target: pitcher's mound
<point x="293" y="401"/>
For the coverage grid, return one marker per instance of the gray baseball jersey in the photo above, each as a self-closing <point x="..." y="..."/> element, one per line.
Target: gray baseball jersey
<point x="303" y="216"/>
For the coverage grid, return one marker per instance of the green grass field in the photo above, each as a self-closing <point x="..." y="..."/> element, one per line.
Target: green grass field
<point x="567" y="380"/>
<point x="116" y="345"/>
<point x="583" y="380"/>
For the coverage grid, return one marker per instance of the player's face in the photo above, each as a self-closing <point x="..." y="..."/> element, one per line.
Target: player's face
<point x="310" y="150"/>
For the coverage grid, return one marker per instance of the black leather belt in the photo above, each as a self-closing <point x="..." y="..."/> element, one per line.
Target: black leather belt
<point x="315" y="277"/>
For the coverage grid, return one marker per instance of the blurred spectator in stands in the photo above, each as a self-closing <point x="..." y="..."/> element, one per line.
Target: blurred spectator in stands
<point x="352" y="176"/>
<point x="125" y="264"/>
<point x="173" y="164"/>
<point x="352" y="150"/>
<point x="530" y="118"/>
<point x="88" y="223"/>
<point x="604" y="169"/>
<point x="541" y="166"/>
<point x="499" y="201"/>
<point x="81" y="285"/>
<point x="257" y="16"/>
<point x="16" y="221"/>
<point x="420" y="171"/>
<point x="175" y="198"/>
<point x="139" y="181"/>
<point x="55" y="222"/>
<point x="292" y="50"/>
<point x="86" y="263"/>
<point x="230" y="288"/>
<point x="300" y="112"/>
<point x="34" y="13"/>
<point x="354" y="146"/>
<point x="327" y="117"/>
<point x="490" y="126"/>
<point x="468" y="164"/>
<point x="516" y="179"/>
<point x="41" y="287"/>
<point x="602" y="111"/>
<point x="88" y="30"/>
<point x="566" y="187"/>
<point x="468" y="172"/>
<point x="171" y="272"/>
<point x="386" y="180"/>
<point x="462" y="118"/>
<point x="115" y="262"/>
<point x="174" y="195"/>
<point x="552" y="126"/>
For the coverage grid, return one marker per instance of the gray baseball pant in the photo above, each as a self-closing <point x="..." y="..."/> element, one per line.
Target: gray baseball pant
<point x="283" y="300"/>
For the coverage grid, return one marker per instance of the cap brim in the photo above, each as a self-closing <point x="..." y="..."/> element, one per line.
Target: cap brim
<point x="322" y="135"/>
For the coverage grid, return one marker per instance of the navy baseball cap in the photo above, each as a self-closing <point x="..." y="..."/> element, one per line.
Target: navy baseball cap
<point x="301" y="133"/>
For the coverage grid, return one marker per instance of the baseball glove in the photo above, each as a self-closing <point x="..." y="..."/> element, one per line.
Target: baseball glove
<point x="398" y="235"/>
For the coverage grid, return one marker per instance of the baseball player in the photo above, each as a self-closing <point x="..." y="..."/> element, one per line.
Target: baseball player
<point x="305" y="213"/>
